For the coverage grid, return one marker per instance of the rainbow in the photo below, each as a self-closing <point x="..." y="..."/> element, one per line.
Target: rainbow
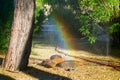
<point x="64" y="34"/>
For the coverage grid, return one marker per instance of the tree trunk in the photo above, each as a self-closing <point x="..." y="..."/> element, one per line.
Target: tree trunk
<point x="21" y="36"/>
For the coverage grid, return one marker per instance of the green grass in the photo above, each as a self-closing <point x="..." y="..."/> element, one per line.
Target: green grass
<point x="33" y="52"/>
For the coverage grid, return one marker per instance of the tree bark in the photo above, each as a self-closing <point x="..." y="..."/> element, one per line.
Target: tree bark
<point x="21" y="36"/>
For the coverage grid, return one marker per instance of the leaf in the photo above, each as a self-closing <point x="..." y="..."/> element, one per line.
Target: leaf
<point x="92" y="39"/>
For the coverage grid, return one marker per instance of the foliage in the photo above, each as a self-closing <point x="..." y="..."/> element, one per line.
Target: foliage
<point x="6" y="15"/>
<point x="68" y="12"/>
<point x="114" y="28"/>
<point x="39" y="15"/>
<point x="94" y="12"/>
<point x="69" y="19"/>
<point x="39" y="18"/>
<point x="55" y="4"/>
<point x="90" y="12"/>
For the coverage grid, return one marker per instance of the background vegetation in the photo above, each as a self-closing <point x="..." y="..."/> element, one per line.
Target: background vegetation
<point x="81" y="16"/>
<point x="6" y="17"/>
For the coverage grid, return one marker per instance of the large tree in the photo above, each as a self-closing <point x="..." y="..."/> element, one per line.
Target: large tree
<point x="21" y="36"/>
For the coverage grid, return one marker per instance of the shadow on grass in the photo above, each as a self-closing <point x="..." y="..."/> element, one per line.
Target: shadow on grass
<point x="4" y="77"/>
<point x="115" y="52"/>
<point x="1" y="59"/>
<point x="42" y="75"/>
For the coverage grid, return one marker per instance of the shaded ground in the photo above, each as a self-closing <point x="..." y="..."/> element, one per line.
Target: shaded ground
<point x="91" y="69"/>
<point x="3" y="77"/>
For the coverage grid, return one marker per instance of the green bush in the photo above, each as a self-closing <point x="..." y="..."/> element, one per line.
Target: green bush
<point x="6" y="16"/>
<point x="114" y="28"/>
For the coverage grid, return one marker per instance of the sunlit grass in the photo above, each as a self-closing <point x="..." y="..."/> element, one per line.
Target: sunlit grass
<point x="87" y="71"/>
<point x="33" y="52"/>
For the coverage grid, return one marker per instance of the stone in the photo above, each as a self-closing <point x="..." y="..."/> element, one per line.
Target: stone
<point x="55" y="56"/>
<point x="58" y="60"/>
<point x="68" y="65"/>
<point x="52" y="63"/>
<point x="48" y="63"/>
